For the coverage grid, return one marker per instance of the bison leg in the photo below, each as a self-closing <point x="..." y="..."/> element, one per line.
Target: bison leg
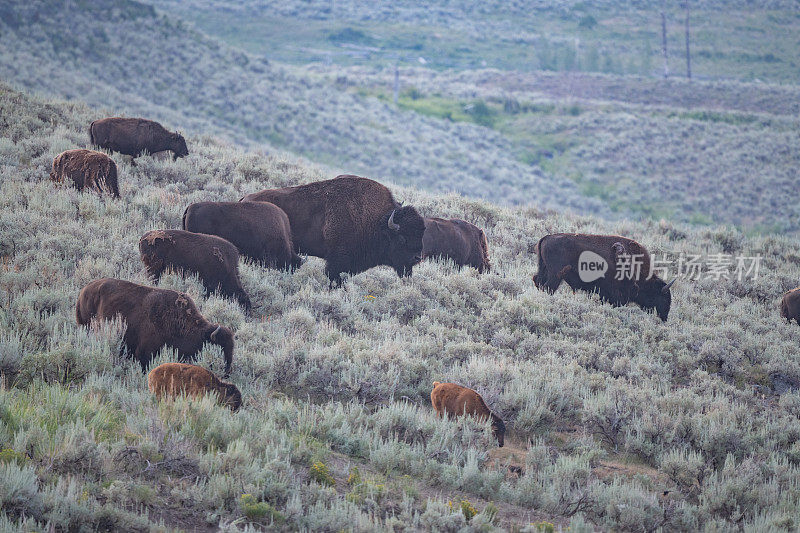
<point x="334" y="267"/>
<point x="155" y="269"/>
<point x="547" y="281"/>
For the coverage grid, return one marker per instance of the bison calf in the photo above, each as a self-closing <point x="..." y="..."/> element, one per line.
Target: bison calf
<point x="87" y="169"/>
<point x="455" y="400"/>
<point x="790" y="305"/>
<point x="458" y="240"/>
<point x="134" y="136"/>
<point x="154" y="318"/>
<point x="212" y="258"/>
<point x="259" y="230"/>
<point x="173" y="379"/>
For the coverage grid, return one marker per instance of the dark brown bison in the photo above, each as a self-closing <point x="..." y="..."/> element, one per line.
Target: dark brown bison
<point x="458" y="240"/>
<point x="454" y="400"/>
<point x="170" y="380"/>
<point x="87" y="169"/>
<point x="353" y="223"/>
<point x="212" y="258"/>
<point x="134" y="136"/>
<point x="154" y="318"/>
<point x="259" y="230"/>
<point x="790" y="305"/>
<point x="579" y="259"/>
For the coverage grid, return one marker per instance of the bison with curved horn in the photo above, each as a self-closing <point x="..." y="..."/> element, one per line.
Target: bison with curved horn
<point x="134" y="136"/>
<point x="353" y="223"/>
<point x="154" y="318"/>
<point x="616" y="268"/>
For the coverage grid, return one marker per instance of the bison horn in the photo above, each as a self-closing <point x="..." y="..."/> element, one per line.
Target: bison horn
<point x="668" y="285"/>
<point x="392" y="225"/>
<point x="214" y="333"/>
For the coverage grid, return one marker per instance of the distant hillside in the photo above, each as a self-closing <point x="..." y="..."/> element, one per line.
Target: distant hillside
<point x="730" y="39"/>
<point x="700" y="152"/>
<point x="103" y="53"/>
<point x="616" y="420"/>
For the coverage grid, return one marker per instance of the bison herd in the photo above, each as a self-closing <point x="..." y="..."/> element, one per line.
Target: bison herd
<point x="353" y="223"/>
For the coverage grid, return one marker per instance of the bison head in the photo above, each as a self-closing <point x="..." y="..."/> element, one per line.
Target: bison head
<point x="178" y="146"/>
<point x="223" y="337"/>
<point x="401" y="232"/>
<point x="654" y="294"/>
<point x="233" y="398"/>
<point x="498" y="430"/>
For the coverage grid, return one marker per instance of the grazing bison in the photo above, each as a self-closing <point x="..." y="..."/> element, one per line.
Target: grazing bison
<point x="790" y="305"/>
<point x="353" y="223"/>
<point x="88" y="170"/>
<point x="560" y="255"/>
<point x="455" y="400"/>
<point x="173" y="379"/>
<point x="458" y="240"/>
<point x="134" y="136"/>
<point x="154" y="318"/>
<point x="212" y="258"/>
<point x="258" y="229"/>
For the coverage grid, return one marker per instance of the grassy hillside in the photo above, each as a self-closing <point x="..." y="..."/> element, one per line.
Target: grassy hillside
<point x="616" y="420"/>
<point x="738" y="40"/>
<point x="696" y="152"/>
<point x="107" y="58"/>
<point x="614" y="146"/>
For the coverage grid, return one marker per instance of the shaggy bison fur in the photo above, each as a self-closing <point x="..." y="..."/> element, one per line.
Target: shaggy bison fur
<point x="173" y="379"/>
<point x="458" y="240"/>
<point x="212" y="258"/>
<point x="790" y="305"/>
<point x="353" y="223"/>
<point x="454" y="400"/>
<point x="87" y="170"/>
<point x="560" y="254"/>
<point x="134" y="136"/>
<point x="154" y="318"/>
<point x="258" y="229"/>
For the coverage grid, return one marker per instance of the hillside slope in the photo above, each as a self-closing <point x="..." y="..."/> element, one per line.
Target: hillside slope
<point x="721" y="153"/>
<point x="102" y="53"/>
<point x="730" y="39"/>
<point x="616" y="420"/>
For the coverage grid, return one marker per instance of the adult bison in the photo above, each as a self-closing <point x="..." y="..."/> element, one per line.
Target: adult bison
<point x="134" y="136"/>
<point x="87" y="169"/>
<point x="259" y="230"/>
<point x="616" y="268"/>
<point x="212" y="258"/>
<point x="353" y="223"/>
<point x="154" y="318"/>
<point x="790" y="305"/>
<point x="451" y="400"/>
<point x="458" y="240"/>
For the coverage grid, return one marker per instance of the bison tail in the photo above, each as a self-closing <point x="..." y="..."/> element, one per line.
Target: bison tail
<point x="111" y="182"/>
<point x="79" y="318"/>
<point x="485" y="265"/>
<point x="183" y="220"/>
<point x="92" y="140"/>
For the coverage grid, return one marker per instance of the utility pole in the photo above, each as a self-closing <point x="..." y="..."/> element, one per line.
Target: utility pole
<point x="664" y="42"/>
<point x="688" y="54"/>
<point x="396" y="81"/>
